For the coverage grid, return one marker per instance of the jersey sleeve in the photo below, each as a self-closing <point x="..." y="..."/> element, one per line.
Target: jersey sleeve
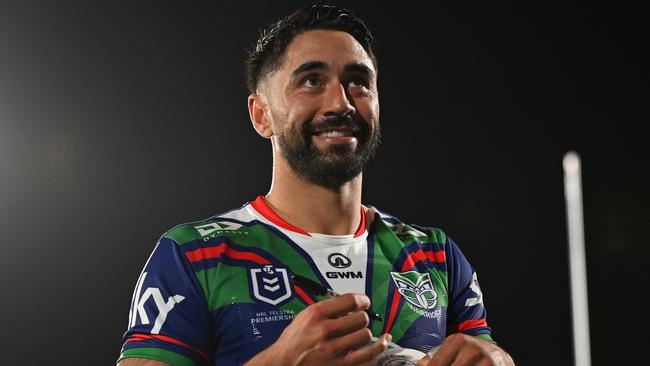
<point x="169" y="319"/>
<point x="466" y="312"/>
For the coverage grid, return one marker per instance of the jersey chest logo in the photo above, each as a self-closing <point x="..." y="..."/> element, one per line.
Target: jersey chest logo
<point x="270" y="284"/>
<point x="416" y="288"/>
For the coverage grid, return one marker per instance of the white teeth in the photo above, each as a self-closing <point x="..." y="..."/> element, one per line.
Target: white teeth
<point x="335" y="133"/>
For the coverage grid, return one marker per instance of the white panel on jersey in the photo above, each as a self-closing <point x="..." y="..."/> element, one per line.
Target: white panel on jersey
<point x="341" y="259"/>
<point x="244" y="214"/>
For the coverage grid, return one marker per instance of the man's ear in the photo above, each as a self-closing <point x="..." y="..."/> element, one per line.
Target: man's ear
<point x="259" y="114"/>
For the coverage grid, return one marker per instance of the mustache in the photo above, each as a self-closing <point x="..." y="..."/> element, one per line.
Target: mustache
<point x="347" y="121"/>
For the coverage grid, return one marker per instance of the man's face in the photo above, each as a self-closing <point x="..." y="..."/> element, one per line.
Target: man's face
<point x="324" y="107"/>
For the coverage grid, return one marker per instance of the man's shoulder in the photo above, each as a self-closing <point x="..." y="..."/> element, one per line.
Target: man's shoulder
<point x="219" y="224"/>
<point x="410" y="232"/>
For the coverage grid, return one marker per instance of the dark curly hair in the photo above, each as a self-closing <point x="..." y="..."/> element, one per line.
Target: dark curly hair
<point x="267" y="54"/>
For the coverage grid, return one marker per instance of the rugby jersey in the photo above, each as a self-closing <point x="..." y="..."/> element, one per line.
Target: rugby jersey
<point x="219" y="291"/>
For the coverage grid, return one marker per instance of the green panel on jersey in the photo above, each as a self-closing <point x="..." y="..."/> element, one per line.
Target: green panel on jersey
<point x="256" y="236"/>
<point x="381" y="277"/>
<point x="186" y="233"/>
<point x="381" y="271"/>
<point x="385" y="254"/>
<point x="229" y="283"/>
<point x="437" y="236"/>
<point x="441" y="283"/>
<point x="407" y="233"/>
<point x="260" y="237"/>
<point x="157" y="354"/>
<point x="486" y="337"/>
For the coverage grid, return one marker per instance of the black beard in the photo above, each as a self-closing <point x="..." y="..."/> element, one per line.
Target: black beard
<point x="338" y="164"/>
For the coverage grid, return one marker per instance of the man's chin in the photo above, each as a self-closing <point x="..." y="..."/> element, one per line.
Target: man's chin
<point x="337" y="152"/>
<point x="335" y="161"/>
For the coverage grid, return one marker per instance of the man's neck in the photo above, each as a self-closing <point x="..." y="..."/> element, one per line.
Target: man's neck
<point x="314" y="208"/>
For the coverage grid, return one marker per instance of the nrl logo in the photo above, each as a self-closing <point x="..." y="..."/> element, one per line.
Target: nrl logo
<point x="270" y="284"/>
<point x="416" y="288"/>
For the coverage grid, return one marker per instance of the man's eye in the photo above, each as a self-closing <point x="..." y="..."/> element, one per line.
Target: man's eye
<point x="358" y="81"/>
<point x="312" y="82"/>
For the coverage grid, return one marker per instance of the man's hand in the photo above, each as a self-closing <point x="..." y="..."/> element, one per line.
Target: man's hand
<point x="464" y="350"/>
<point x="330" y="332"/>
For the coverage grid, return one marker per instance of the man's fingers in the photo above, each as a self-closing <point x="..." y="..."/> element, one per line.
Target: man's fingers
<point x="461" y="349"/>
<point x="352" y="341"/>
<point x="368" y="354"/>
<point x="348" y="323"/>
<point x="424" y="361"/>
<point x="447" y="352"/>
<point x="341" y="305"/>
<point x="485" y="362"/>
<point x="470" y="356"/>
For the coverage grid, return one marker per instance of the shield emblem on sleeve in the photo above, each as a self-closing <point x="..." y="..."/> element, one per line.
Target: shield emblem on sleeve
<point x="270" y="284"/>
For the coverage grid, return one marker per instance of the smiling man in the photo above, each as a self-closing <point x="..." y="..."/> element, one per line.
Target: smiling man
<point x="223" y="291"/>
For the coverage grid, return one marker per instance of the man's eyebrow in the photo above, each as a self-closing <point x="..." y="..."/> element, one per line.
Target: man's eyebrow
<point x="320" y="65"/>
<point x="360" y="68"/>
<point x="309" y="66"/>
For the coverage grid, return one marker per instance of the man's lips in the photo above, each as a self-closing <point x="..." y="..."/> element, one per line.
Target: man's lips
<point x="335" y="139"/>
<point x="336" y="135"/>
<point x="342" y="131"/>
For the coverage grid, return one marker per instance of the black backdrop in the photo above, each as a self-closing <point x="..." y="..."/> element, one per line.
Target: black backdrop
<point x="119" y="120"/>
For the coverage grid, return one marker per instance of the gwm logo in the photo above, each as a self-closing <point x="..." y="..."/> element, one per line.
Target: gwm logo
<point x="416" y="288"/>
<point x="270" y="284"/>
<point x="338" y="260"/>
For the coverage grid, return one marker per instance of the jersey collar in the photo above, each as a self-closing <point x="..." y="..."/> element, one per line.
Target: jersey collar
<point x="265" y="210"/>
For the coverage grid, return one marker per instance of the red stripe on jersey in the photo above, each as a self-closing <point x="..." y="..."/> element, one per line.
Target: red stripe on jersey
<point x="437" y="257"/>
<point x="421" y="256"/>
<point x="265" y="210"/>
<point x="393" y="312"/>
<point x="303" y="295"/>
<point x="200" y="254"/>
<point x="362" y="224"/>
<point x="471" y="324"/>
<point x="143" y="337"/>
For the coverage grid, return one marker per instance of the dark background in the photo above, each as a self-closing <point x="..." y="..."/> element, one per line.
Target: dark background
<point x="119" y="120"/>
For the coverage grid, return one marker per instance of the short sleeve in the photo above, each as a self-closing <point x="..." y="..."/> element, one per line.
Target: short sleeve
<point x="169" y="319"/>
<point x="466" y="312"/>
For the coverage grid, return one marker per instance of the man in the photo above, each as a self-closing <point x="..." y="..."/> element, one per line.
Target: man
<point x="228" y="290"/>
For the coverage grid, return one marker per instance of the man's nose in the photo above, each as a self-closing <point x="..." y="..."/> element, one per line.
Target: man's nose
<point x="338" y="101"/>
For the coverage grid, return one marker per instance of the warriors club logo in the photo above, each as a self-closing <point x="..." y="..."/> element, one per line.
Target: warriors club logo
<point x="416" y="288"/>
<point x="270" y="284"/>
